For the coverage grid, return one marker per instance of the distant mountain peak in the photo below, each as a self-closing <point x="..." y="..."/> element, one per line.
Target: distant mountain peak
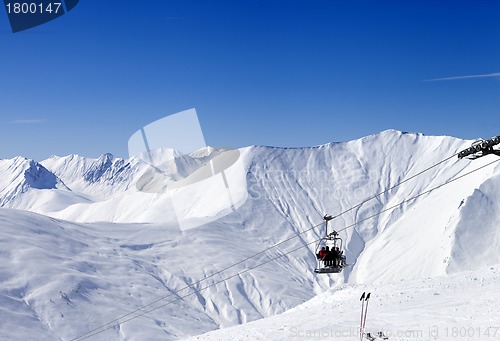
<point x="106" y="157"/>
<point x="99" y="168"/>
<point x="37" y="176"/>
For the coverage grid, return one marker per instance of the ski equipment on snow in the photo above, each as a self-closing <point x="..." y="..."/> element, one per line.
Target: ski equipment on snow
<point x="362" y="299"/>
<point x="382" y="336"/>
<point x="364" y="310"/>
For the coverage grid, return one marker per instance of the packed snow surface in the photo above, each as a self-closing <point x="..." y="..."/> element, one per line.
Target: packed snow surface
<point x="99" y="244"/>
<point x="458" y="307"/>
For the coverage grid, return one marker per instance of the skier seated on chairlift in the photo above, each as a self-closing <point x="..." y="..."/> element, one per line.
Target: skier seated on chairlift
<point x="333" y="258"/>
<point x="338" y="256"/>
<point x="341" y="259"/>
<point x="322" y="253"/>
<point x="330" y="258"/>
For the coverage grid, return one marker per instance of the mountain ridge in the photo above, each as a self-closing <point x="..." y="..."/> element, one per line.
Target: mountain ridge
<point x="121" y="248"/>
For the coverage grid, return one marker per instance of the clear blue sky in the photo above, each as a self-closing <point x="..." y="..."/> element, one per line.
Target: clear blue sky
<point x="265" y="72"/>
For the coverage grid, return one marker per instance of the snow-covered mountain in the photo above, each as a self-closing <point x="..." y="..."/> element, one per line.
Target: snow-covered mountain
<point x="111" y="247"/>
<point x="21" y="176"/>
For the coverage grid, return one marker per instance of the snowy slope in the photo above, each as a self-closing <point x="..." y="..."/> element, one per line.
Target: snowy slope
<point x="459" y="307"/>
<point x="65" y="279"/>
<point x="477" y="234"/>
<point x="120" y="267"/>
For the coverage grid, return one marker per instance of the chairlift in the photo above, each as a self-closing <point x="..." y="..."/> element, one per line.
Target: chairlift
<point x="334" y="261"/>
<point x="480" y="148"/>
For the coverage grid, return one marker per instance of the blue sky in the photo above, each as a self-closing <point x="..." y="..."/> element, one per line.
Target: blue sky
<point x="266" y="72"/>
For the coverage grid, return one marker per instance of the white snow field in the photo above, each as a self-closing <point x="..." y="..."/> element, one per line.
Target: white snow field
<point x="96" y="247"/>
<point x="462" y="306"/>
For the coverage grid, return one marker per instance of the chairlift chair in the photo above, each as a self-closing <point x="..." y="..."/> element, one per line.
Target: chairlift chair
<point x="334" y="242"/>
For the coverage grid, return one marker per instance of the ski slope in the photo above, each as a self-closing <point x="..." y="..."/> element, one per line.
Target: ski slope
<point x="95" y="247"/>
<point x="457" y="307"/>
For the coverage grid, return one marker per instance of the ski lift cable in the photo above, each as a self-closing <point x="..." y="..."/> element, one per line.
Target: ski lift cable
<point x="83" y="336"/>
<point x="119" y="321"/>
<point x="200" y="281"/>
<point x="381" y="193"/>
<point x="281" y="242"/>
<point x="394" y="186"/>
<point x="275" y="245"/>
<point x="418" y="195"/>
